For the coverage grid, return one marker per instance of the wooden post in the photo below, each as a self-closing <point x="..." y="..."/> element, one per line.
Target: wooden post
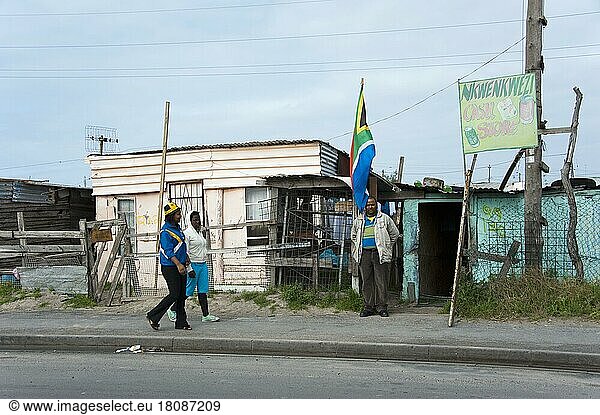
<point x="86" y="255"/>
<point x="533" y="174"/>
<point x="284" y="232"/>
<point x="161" y="191"/>
<point x="400" y="170"/>
<point x="163" y="166"/>
<point x="572" y="245"/>
<point x="511" y="169"/>
<point x="315" y="270"/>
<point x="461" y="235"/>
<point x="342" y="252"/>
<point x="94" y="271"/>
<point x="22" y="241"/>
<point x="219" y="269"/>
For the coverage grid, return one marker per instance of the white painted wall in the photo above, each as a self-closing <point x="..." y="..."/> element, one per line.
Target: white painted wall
<point x="216" y="167"/>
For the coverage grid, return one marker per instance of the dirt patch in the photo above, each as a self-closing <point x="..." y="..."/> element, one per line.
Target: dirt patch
<point x="227" y="305"/>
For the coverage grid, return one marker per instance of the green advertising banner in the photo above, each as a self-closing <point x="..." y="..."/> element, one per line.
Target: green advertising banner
<point x="498" y="113"/>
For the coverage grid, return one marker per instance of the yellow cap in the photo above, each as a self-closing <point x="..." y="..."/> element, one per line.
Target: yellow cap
<point x="170" y="208"/>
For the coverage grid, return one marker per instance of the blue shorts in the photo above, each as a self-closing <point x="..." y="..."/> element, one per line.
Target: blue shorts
<point x="201" y="280"/>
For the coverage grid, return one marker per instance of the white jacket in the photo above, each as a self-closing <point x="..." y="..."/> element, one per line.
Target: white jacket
<point x="386" y="234"/>
<point x="196" y="244"/>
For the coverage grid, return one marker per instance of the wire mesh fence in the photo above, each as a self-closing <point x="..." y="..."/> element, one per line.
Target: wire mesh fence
<point x="500" y="222"/>
<point x="315" y="226"/>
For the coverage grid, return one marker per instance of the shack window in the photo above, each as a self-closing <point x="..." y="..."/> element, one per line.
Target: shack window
<point x="257" y="204"/>
<point x="126" y="208"/>
<point x="258" y="209"/>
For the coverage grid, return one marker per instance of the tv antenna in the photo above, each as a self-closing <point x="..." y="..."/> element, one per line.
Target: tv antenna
<point x="101" y="139"/>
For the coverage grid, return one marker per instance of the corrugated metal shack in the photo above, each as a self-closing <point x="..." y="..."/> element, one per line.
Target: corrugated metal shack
<point x="430" y="220"/>
<point x="45" y="206"/>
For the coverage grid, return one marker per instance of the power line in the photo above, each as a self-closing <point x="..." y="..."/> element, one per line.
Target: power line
<point x="205" y="8"/>
<point x="434" y="93"/>
<point x="279" y="64"/>
<point x="202" y="75"/>
<point x="281" y="37"/>
<point x="40" y="164"/>
<point x="305" y="71"/>
<point x="256" y="39"/>
<point x="190" y="9"/>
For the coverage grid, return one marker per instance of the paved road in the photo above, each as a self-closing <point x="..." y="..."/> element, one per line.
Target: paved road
<point x="158" y="375"/>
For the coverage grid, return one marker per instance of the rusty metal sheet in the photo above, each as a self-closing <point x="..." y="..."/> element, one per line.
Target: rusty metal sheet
<point x="101" y="235"/>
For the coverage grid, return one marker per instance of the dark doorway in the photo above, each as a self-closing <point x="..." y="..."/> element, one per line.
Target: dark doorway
<point x="438" y="239"/>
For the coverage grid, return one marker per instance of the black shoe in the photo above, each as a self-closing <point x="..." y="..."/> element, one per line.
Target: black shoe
<point x="384" y="313"/>
<point x="155" y="326"/>
<point x="186" y="327"/>
<point x="366" y="312"/>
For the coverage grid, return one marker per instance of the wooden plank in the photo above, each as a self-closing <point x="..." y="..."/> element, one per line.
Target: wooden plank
<point x="401" y="195"/>
<point x="111" y="261"/>
<point x="300" y="262"/>
<point x="260" y="248"/>
<point x="514" y="247"/>
<point x="49" y="234"/>
<point x="558" y="130"/>
<point x="115" y="281"/>
<point x="7" y="255"/>
<point x="21" y="226"/>
<point x="41" y="248"/>
<point x="7" y="234"/>
<point x="105" y="223"/>
<point x="487" y="256"/>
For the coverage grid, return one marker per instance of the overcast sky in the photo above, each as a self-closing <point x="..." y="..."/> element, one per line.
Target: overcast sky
<point x="68" y="64"/>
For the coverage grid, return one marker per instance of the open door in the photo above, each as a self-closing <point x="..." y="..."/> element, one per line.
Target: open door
<point x="438" y="238"/>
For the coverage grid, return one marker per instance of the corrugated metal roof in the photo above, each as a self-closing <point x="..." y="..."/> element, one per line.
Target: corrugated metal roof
<point x="227" y="145"/>
<point x="329" y="160"/>
<point x="29" y="191"/>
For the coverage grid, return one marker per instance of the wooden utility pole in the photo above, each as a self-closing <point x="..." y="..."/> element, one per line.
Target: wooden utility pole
<point x="464" y="220"/>
<point x="533" y="162"/>
<point x="163" y="167"/>
<point x="400" y="170"/>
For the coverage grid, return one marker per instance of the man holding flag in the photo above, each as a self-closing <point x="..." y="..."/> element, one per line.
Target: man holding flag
<point x="373" y="232"/>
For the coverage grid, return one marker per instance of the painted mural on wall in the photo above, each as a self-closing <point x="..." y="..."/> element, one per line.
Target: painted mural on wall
<point x="498" y="113"/>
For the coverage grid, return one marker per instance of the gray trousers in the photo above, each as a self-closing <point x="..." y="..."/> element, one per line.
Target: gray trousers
<point x="375" y="277"/>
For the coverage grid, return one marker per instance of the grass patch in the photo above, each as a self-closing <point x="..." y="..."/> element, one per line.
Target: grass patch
<point x="80" y="301"/>
<point x="299" y="298"/>
<point x="259" y="298"/>
<point x="533" y="296"/>
<point x="10" y="293"/>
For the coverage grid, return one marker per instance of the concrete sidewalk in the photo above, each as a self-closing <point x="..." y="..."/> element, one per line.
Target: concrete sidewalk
<point x="404" y="336"/>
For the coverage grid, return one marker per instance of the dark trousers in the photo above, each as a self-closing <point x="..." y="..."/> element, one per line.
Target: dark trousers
<point x="176" y="283"/>
<point x="375" y="278"/>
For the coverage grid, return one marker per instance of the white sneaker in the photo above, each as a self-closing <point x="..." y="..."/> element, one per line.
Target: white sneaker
<point x="210" y="318"/>
<point x="172" y="315"/>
